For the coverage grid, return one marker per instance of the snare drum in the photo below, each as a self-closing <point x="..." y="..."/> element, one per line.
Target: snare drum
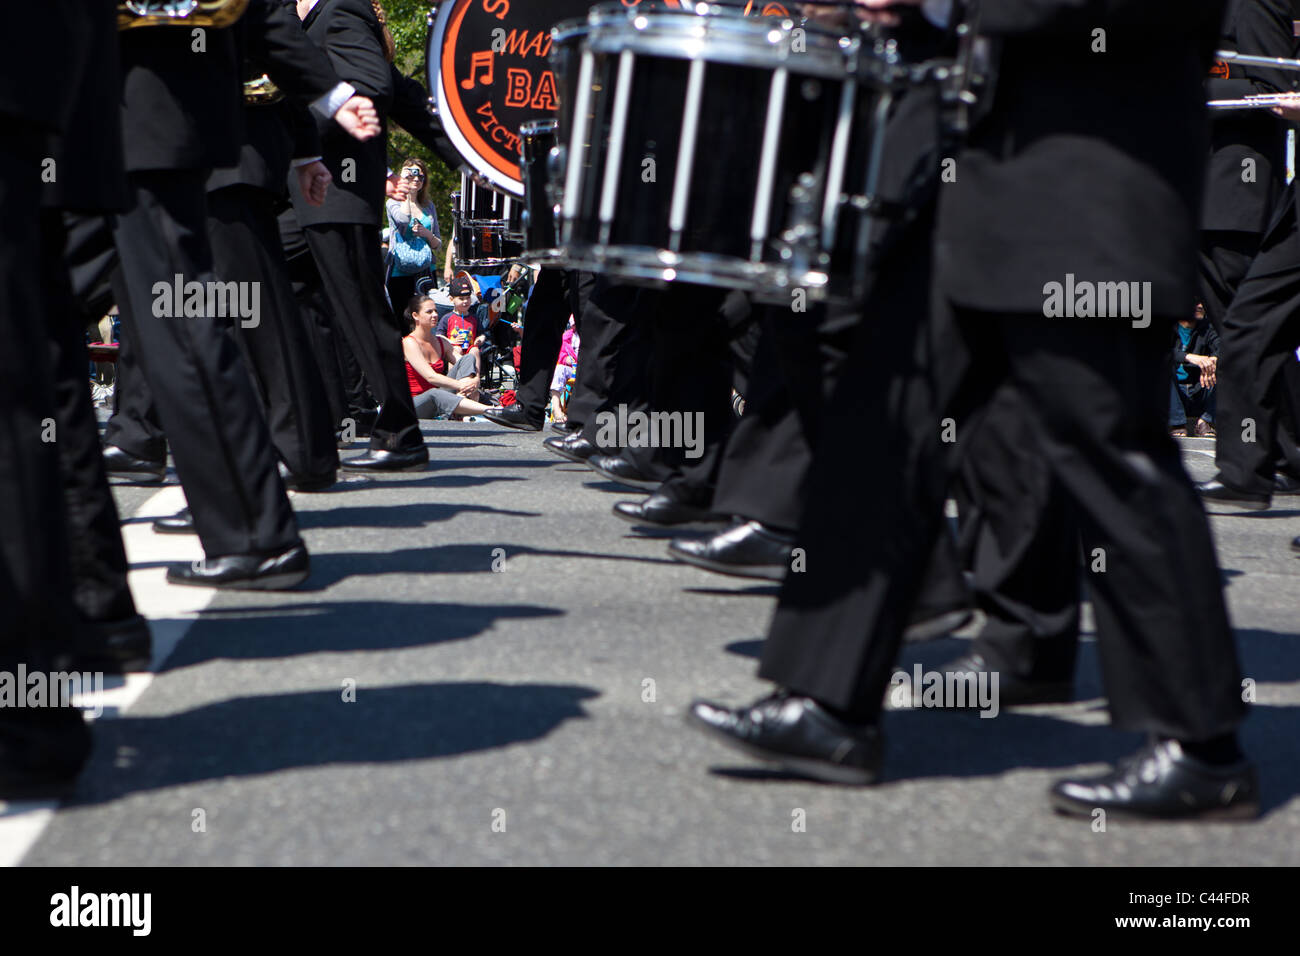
<point x="713" y="149"/>
<point x="488" y="225"/>
<point x="536" y="165"/>
<point x="486" y="242"/>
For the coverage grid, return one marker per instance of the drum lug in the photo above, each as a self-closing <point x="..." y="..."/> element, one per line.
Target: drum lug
<point x="798" y="245"/>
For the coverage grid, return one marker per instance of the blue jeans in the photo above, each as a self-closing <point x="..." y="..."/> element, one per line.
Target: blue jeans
<point x="1189" y="402"/>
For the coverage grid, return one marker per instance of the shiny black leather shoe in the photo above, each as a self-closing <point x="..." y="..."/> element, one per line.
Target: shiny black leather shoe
<point x="513" y="417"/>
<point x="305" y="483"/>
<point x="1162" y="782"/>
<point x="798" y="734"/>
<point x="114" y="647"/>
<point x="246" y="572"/>
<point x="182" y="522"/>
<point x="565" y="427"/>
<point x="1284" y="484"/>
<point x="927" y="624"/>
<point x="42" y="751"/>
<point x="1012" y="691"/>
<point x="125" y="467"/>
<point x="402" y="459"/>
<point x="747" y="550"/>
<point x="661" y="510"/>
<point x="573" y="447"/>
<point x="621" y="471"/>
<point x="1216" y="494"/>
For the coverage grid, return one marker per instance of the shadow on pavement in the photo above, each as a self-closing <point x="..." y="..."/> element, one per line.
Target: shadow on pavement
<point x="397" y="516"/>
<point x="250" y="736"/>
<point x="251" y="633"/>
<point x="329" y="569"/>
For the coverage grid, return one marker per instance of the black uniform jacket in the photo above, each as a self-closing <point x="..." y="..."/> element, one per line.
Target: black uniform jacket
<point x="348" y="31"/>
<point x="1091" y="160"/>
<point x="1240" y="196"/>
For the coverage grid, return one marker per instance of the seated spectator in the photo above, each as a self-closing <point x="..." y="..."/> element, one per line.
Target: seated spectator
<point x="443" y="383"/>
<point x="566" y="370"/>
<point x="1196" y="363"/>
<point x="460" y="326"/>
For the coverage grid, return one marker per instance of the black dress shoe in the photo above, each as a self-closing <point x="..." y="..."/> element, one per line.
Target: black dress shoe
<point x="305" y="483"/>
<point x="114" y="647"/>
<point x="748" y="550"/>
<point x="565" y="427"/>
<point x="1284" y="484"/>
<point x="41" y="752"/>
<point x="930" y="623"/>
<point x="1214" y="492"/>
<point x="513" y="417"/>
<point x="402" y="459"/>
<point x="1162" y="782"/>
<point x="797" y="733"/>
<point x="621" y="471"/>
<point x="247" y="572"/>
<point x="126" y="467"/>
<point x="573" y="447"/>
<point x="182" y="522"/>
<point x="661" y="510"/>
<point x="1012" y="690"/>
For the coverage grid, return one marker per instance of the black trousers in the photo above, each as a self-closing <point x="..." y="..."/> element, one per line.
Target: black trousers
<point x="1254" y="422"/>
<point x="98" y="559"/>
<point x="352" y="271"/>
<point x="557" y="295"/>
<point x="1225" y="258"/>
<point x="246" y="248"/>
<point x="764" y="466"/>
<point x="1021" y="544"/>
<point x="1167" y="650"/>
<point x="691" y="373"/>
<point x="35" y="571"/>
<point x="135" y="426"/>
<point x="202" y="391"/>
<point x="614" y="361"/>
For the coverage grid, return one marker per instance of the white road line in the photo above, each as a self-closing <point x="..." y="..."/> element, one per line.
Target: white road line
<point x="171" y="611"/>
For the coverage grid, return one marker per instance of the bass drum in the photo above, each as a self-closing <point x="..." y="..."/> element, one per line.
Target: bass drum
<point x="489" y="73"/>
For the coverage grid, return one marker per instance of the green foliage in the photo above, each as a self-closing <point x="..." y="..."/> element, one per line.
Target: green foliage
<point x="407" y="22"/>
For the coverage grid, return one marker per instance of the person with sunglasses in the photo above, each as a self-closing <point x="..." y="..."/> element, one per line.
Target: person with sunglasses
<point x="415" y="238"/>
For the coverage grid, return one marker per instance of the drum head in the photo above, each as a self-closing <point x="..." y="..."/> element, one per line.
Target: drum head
<point x="489" y="72"/>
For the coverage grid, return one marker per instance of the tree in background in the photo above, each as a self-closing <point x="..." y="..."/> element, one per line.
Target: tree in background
<point x="407" y="20"/>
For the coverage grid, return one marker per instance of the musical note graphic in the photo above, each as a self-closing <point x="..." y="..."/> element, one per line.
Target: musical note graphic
<point x="482" y="60"/>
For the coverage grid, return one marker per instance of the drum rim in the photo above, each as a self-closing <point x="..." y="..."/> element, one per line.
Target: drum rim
<point x="721" y="40"/>
<point x="649" y="263"/>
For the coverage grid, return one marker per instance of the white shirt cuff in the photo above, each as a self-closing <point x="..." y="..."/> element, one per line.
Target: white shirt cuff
<point x="331" y="102"/>
<point x="306" y="161"/>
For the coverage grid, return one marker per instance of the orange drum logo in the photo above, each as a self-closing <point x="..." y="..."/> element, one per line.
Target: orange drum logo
<point x="494" y="75"/>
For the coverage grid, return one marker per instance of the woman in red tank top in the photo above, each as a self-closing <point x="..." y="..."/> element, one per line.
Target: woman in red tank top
<point x="437" y="391"/>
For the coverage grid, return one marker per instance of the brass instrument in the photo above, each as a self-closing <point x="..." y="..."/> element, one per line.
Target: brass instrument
<point x="1263" y="101"/>
<point x="261" y="91"/>
<point x="179" y="13"/>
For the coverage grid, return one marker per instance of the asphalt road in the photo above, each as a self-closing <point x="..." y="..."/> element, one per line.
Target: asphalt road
<point x="506" y="716"/>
